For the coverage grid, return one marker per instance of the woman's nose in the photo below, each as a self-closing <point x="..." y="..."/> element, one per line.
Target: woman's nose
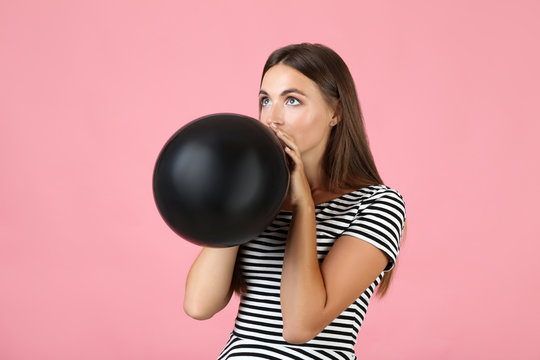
<point x="274" y="116"/>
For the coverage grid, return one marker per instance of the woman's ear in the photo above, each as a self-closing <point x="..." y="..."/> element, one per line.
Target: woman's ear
<point x="338" y="113"/>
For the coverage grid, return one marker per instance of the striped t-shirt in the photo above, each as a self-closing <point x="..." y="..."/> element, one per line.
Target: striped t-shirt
<point x="375" y="214"/>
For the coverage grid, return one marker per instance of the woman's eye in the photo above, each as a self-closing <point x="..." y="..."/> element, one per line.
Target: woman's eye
<point x="293" y="101"/>
<point x="265" y="101"/>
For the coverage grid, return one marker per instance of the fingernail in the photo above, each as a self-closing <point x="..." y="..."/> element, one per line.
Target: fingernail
<point x="273" y="125"/>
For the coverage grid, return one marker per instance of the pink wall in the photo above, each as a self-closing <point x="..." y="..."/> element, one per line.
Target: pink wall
<point x="91" y="90"/>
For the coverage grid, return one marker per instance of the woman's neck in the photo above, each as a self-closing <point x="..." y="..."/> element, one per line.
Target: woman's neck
<point x="315" y="175"/>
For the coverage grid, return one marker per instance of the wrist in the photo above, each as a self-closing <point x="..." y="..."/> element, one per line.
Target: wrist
<point x="306" y="205"/>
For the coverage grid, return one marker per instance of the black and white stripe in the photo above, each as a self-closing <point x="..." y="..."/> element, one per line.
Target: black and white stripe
<point x="375" y="214"/>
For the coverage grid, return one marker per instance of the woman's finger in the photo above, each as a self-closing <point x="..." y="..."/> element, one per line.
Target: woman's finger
<point x="286" y="138"/>
<point x="297" y="160"/>
<point x="290" y="147"/>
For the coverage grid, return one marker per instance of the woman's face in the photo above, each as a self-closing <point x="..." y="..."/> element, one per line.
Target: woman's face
<point x="295" y="104"/>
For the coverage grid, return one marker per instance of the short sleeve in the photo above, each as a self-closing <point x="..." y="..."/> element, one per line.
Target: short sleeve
<point x="379" y="221"/>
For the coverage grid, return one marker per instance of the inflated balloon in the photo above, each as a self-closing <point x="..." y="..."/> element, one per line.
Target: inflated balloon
<point x="220" y="180"/>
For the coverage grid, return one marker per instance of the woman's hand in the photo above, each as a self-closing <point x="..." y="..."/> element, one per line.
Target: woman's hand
<point x="299" y="190"/>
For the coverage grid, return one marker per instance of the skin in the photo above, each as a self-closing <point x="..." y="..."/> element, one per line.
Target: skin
<point x="312" y="295"/>
<point x="294" y="107"/>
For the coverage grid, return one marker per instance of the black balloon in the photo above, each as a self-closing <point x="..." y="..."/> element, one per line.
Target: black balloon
<point x="220" y="180"/>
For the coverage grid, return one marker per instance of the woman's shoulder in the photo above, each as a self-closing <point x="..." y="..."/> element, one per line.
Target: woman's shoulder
<point x="374" y="192"/>
<point x="357" y="199"/>
<point x="377" y="194"/>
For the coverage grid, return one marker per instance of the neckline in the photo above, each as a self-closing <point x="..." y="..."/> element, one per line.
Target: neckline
<point x="326" y="203"/>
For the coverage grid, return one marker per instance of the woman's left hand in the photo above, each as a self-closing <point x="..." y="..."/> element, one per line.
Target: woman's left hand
<point x="299" y="189"/>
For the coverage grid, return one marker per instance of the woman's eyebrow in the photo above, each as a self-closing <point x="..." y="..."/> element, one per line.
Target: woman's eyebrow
<point x="288" y="91"/>
<point x="285" y="92"/>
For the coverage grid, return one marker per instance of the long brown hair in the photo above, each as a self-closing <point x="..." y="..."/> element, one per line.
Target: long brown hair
<point x="348" y="162"/>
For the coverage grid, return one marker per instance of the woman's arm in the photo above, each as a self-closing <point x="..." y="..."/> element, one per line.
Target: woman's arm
<point x="208" y="284"/>
<point x="313" y="295"/>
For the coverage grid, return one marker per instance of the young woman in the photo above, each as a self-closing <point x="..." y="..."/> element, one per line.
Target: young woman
<point x="306" y="281"/>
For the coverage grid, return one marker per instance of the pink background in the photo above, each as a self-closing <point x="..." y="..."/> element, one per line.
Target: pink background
<point x="91" y="90"/>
